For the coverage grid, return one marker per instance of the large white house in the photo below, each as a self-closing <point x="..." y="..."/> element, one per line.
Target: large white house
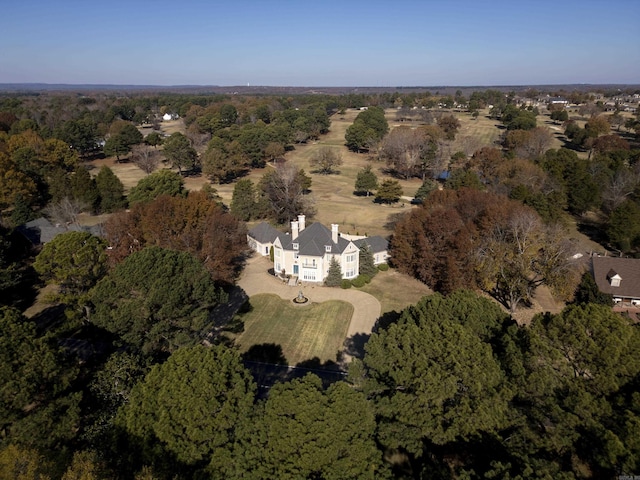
<point x="306" y="252"/>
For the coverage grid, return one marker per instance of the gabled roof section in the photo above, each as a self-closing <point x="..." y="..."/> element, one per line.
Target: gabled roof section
<point x="628" y="270"/>
<point x="264" y="233"/>
<point x="313" y="239"/>
<point x="376" y="243"/>
<point x="41" y="230"/>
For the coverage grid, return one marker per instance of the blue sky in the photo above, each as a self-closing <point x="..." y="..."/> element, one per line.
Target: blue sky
<point x="320" y="43"/>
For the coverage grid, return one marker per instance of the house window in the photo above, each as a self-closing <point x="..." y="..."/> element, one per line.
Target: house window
<point x="351" y="258"/>
<point x="295" y="246"/>
<point x="309" y="275"/>
<point x="276" y="252"/>
<point x="350" y="273"/>
<point x="327" y="248"/>
<point x="296" y="255"/>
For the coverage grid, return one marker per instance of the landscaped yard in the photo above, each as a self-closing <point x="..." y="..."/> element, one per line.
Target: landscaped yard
<point x="396" y="291"/>
<point x="303" y="331"/>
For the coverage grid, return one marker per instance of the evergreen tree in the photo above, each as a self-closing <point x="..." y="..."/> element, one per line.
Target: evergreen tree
<point x="83" y="187"/>
<point x="305" y="431"/>
<point x="22" y="212"/>
<point x="425" y="189"/>
<point x="73" y="260"/>
<point x="390" y="191"/>
<point x="366" y="181"/>
<point x="192" y="407"/>
<point x="162" y="182"/>
<point x="367" y="264"/>
<point x="243" y="202"/>
<point x="110" y="190"/>
<point x="588" y="292"/>
<point x="334" y="275"/>
<point x="156" y="300"/>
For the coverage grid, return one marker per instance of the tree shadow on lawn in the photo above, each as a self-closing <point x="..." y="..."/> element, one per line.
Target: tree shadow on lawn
<point x="354" y="345"/>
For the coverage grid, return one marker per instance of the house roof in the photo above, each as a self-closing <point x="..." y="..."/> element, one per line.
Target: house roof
<point x="265" y="233"/>
<point x="627" y="268"/>
<point x="41" y="230"/>
<point x="376" y="243"/>
<point x="313" y="240"/>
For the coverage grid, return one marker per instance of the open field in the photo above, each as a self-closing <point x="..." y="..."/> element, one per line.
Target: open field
<point x="333" y="194"/>
<point x="303" y="331"/>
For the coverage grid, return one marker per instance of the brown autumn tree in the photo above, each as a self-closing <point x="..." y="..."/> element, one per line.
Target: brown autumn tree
<point x="195" y="224"/>
<point x="468" y="238"/>
<point x="529" y="144"/>
<point x="449" y="125"/>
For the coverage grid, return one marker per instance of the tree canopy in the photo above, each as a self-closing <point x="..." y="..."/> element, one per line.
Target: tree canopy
<point x="192" y="405"/>
<point x="156" y="300"/>
<point x="369" y="127"/>
<point x="73" y="260"/>
<point x="196" y="224"/>
<point x="162" y="182"/>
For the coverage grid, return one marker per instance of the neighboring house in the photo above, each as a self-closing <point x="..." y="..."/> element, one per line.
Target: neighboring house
<point x="306" y="252"/>
<point x="166" y="117"/>
<point x="619" y="277"/>
<point x="41" y="230"/>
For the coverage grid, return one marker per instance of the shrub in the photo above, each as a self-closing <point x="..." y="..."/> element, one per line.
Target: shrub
<point x="345" y="284"/>
<point x="383" y="267"/>
<point x="360" y="281"/>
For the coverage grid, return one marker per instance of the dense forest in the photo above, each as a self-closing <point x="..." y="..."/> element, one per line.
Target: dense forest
<point x="130" y="374"/>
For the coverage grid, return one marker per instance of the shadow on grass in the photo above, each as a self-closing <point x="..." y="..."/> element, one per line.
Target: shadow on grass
<point x="266" y="353"/>
<point x="354" y="346"/>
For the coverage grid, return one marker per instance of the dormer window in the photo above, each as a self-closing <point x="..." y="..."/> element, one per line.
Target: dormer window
<point x="327" y="248"/>
<point x="295" y="246"/>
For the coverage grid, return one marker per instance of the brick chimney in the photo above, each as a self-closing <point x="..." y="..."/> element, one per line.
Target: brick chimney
<point x="294" y="230"/>
<point x="334" y="232"/>
<point x="301" y="223"/>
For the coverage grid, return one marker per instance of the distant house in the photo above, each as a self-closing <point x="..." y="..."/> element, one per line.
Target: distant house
<point x="167" y="116"/>
<point x="618" y="277"/>
<point x="41" y="230"/>
<point x="306" y="252"/>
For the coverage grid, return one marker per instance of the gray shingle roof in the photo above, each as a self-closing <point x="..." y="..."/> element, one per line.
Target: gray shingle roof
<point x="376" y="243"/>
<point x="41" y="230"/>
<point x="313" y="239"/>
<point x="265" y="233"/>
<point x="627" y="268"/>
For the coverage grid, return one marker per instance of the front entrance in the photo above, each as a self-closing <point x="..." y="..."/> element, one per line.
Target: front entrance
<point x="295" y="269"/>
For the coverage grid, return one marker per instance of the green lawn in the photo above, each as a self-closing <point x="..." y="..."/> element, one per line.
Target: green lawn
<point x="303" y="331"/>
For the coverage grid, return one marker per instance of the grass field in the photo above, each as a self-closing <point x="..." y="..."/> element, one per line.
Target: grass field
<point x="333" y="194"/>
<point x="303" y="331"/>
<point x="396" y="291"/>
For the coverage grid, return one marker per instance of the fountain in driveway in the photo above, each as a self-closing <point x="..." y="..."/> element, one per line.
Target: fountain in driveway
<point x="300" y="299"/>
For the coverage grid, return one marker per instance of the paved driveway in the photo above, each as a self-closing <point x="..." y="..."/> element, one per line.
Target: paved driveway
<point x="256" y="279"/>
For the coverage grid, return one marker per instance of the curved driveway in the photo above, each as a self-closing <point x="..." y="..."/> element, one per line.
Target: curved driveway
<point x="255" y="279"/>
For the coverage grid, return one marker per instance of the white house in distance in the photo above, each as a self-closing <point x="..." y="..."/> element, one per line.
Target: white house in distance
<point x="306" y="252"/>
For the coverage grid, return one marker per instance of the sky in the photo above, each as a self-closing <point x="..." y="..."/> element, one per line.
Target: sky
<point x="320" y="42"/>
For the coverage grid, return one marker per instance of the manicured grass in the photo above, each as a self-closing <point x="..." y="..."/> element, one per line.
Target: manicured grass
<point x="396" y="291"/>
<point x="303" y="331"/>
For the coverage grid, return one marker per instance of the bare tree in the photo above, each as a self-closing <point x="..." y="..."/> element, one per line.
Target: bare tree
<point x="145" y="158"/>
<point x="470" y="144"/>
<point x="412" y="152"/>
<point x="519" y="255"/>
<point x="325" y="159"/>
<point x="65" y="212"/>
<point x="537" y="142"/>
<point x="284" y="190"/>
<point x="620" y="186"/>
